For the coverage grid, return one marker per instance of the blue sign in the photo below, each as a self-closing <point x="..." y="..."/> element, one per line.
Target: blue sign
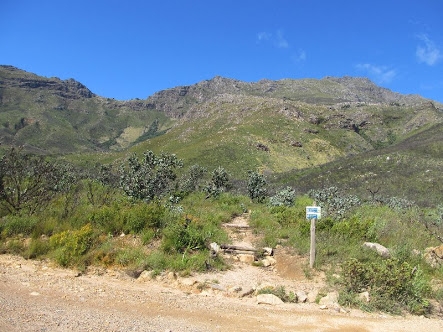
<point x="313" y="212"/>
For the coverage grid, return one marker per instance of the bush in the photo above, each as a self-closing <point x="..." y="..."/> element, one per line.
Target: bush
<point x="191" y="181"/>
<point x="37" y="248"/>
<point x="285" y="197"/>
<point x="144" y="216"/>
<point x="27" y="182"/>
<point x="334" y="203"/>
<point x="354" y="228"/>
<point x="218" y="184"/>
<point x="256" y="186"/>
<point x="70" y="245"/>
<point x="393" y="286"/>
<point x="188" y="234"/>
<point x="150" y="176"/>
<point x="283" y="215"/>
<point x="108" y="219"/>
<point x="15" y="225"/>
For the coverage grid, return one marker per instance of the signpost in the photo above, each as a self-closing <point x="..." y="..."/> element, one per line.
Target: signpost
<point x="312" y="213"/>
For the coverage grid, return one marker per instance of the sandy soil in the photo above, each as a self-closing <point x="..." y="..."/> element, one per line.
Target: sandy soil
<point x="38" y="296"/>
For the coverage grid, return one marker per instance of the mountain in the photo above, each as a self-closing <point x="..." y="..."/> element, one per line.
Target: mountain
<point x="308" y="133"/>
<point x="49" y="115"/>
<point x="282" y="125"/>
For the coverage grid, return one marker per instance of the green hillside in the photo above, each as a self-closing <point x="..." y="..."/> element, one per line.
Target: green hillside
<point x="49" y="115"/>
<point x="307" y="133"/>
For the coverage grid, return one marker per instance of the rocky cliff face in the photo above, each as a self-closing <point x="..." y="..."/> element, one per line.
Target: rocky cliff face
<point x="177" y="101"/>
<point x="15" y="78"/>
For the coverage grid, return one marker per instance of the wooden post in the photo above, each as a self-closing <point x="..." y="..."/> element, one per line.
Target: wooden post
<point x="312" y="248"/>
<point x="312" y="251"/>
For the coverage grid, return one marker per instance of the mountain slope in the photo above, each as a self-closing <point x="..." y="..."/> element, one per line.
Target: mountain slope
<point x="242" y="130"/>
<point x="50" y="115"/>
<point x="307" y="133"/>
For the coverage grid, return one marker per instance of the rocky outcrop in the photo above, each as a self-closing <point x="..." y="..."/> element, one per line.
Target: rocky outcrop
<point x="70" y="88"/>
<point x="434" y="256"/>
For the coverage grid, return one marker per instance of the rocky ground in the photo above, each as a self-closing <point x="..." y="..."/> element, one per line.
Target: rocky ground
<point x="38" y="296"/>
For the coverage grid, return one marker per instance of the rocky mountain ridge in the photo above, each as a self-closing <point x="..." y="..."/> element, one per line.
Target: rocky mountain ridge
<point x="327" y="91"/>
<point x="63" y="116"/>
<point x="13" y="77"/>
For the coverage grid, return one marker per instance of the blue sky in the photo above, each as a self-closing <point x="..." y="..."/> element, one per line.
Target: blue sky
<point x="131" y="49"/>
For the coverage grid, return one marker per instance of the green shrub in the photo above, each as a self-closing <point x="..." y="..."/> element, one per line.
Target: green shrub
<point x="70" y="245"/>
<point x="148" y="235"/>
<point x="219" y="182"/>
<point x="334" y="202"/>
<point x="142" y="216"/>
<point x="130" y="257"/>
<point x="256" y="186"/>
<point x="156" y="261"/>
<point x="108" y="219"/>
<point x="104" y="253"/>
<point x="150" y="176"/>
<point x="16" y="224"/>
<point x="13" y="246"/>
<point x="191" y="181"/>
<point x="285" y="197"/>
<point x="393" y="286"/>
<point x="188" y="234"/>
<point x="37" y="248"/>
<point x="354" y="228"/>
<point x="283" y="215"/>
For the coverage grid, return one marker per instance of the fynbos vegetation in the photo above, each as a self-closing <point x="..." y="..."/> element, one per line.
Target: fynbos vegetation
<point x="369" y="157"/>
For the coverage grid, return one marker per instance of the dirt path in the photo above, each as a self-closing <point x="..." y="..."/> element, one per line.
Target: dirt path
<point x="36" y="296"/>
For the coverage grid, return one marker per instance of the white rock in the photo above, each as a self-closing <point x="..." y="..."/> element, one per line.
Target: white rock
<point x="381" y="250"/>
<point x="246" y="258"/>
<point x="268" y="261"/>
<point x="145" y="275"/>
<point x="214" y="247"/>
<point x="330" y="300"/>
<point x="301" y="296"/>
<point x="364" y="296"/>
<point x="172" y="276"/>
<point x="270" y="299"/>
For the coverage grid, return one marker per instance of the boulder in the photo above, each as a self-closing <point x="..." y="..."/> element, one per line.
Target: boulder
<point x="330" y="300"/>
<point x="381" y="250"/>
<point x="246" y="258"/>
<point x="268" y="261"/>
<point x="270" y="299"/>
<point x="145" y="275"/>
<point x="302" y="297"/>
<point x="434" y="256"/>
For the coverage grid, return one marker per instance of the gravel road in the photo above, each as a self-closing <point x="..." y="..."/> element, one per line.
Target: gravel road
<point x="37" y="296"/>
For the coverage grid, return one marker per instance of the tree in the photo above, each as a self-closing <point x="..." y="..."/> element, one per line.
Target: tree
<point x="27" y="182"/>
<point x="191" y="181"/>
<point x="256" y="186"/>
<point x="219" y="182"/>
<point x="149" y="176"/>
